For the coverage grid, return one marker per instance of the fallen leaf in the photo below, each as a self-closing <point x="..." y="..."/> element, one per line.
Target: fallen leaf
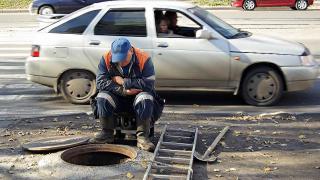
<point x="130" y="175"/>
<point x="257" y="131"/>
<point x="267" y="170"/>
<point x="218" y="175"/>
<point x="302" y="136"/>
<point x="216" y="170"/>
<point x="232" y="169"/>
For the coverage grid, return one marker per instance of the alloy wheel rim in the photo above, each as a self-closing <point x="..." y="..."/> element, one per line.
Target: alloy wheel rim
<point x="250" y="5"/>
<point x="47" y="11"/>
<point x="302" y="4"/>
<point x="261" y="87"/>
<point x="79" y="86"/>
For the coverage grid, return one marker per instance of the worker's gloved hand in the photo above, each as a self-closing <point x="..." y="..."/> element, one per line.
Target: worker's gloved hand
<point x="118" y="79"/>
<point x="132" y="91"/>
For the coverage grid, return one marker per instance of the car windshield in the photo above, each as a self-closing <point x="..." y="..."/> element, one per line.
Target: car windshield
<point x="217" y="24"/>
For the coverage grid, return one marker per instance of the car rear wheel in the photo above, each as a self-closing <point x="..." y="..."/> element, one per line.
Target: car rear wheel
<point x="249" y="5"/>
<point x="46" y="10"/>
<point x="77" y="86"/>
<point x="301" y="4"/>
<point x="262" y="86"/>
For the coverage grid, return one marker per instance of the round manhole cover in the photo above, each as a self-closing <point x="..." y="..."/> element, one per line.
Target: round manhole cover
<point x="98" y="155"/>
<point x="55" y="143"/>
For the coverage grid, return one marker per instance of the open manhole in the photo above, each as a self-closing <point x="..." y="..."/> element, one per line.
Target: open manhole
<point x="98" y="154"/>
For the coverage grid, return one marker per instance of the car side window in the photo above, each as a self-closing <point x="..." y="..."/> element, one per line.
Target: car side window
<point x="175" y="24"/>
<point x="77" y="25"/>
<point x="122" y="23"/>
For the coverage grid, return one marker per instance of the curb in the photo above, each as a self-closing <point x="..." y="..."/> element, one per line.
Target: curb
<point x="14" y="11"/>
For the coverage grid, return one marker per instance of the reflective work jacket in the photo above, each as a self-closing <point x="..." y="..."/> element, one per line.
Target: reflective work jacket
<point x="141" y="74"/>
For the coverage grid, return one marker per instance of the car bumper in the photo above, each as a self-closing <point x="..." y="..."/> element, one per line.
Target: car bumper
<point x="236" y="4"/>
<point x="300" y="78"/>
<point x="33" y="9"/>
<point x="35" y="73"/>
<point x="47" y="81"/>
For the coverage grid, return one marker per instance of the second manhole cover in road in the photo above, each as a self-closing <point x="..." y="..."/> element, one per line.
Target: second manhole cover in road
<point x="55" y="143"/>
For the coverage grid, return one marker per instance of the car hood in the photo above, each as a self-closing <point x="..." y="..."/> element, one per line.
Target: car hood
<point x="265" y="45"/>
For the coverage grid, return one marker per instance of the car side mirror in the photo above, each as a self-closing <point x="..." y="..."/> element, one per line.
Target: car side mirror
<point x="204" y="34"/>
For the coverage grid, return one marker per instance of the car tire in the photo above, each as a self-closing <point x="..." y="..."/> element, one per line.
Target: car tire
<point x="46" y="10"/>
<point x="293" y="8"/>
<point x="77" y="86"/>
<point x="249" y="5"/>
<point x="262" y="86"/>
<point x="301" y="5"/>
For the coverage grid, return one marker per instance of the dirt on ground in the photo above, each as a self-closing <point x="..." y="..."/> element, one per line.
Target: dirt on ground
<point x="267" y="146"/>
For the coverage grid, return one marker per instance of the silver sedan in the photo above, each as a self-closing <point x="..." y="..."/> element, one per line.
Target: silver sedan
<point x="202" y="52"/>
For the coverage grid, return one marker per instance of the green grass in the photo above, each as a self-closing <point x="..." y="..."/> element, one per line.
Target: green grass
<point x="14" y="4"/>
<point x="212" y="2"/>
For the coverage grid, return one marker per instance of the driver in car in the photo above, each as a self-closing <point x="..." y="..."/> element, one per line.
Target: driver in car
<point x="125" y="82"/>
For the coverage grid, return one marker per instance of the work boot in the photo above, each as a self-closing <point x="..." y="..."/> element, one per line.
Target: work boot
<point x="143" y="131"/>
<point x="106" y="135"/>
<point x="145" y="144"/>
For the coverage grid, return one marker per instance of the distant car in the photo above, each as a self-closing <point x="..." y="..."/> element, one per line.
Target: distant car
<point x="43" y="7"/>
<point x="207" y="54"/>
<point x="252" y="4"/>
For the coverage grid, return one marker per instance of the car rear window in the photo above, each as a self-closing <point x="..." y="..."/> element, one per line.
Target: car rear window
<point x="76" y="25"/>
<point x="122" y="23"/>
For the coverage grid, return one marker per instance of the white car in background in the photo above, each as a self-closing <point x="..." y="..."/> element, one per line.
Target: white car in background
<point x="208" y="54"/>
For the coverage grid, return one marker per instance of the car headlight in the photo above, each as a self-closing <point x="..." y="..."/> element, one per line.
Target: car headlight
<point x="307" y="60"/>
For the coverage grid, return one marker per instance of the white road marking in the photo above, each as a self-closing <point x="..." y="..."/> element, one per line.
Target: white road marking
<point x="13" y="76"/>
<point x="26" y="43"/>
<point x="11" y="67"/>
<point x="15" y="49"/>
<point x="15" y="55"/>
<point x="24" y="97"/>
<point x="22" y="60"/>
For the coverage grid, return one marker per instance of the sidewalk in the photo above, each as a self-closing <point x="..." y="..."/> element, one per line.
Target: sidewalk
<point x="266" y="148"/>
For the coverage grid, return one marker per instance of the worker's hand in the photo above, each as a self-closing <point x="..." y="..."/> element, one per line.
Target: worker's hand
<point x="132" y="91"/>
<point x="118" y="79"/>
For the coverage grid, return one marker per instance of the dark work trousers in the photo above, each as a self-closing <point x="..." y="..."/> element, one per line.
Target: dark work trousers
<point x="141" y="105"/>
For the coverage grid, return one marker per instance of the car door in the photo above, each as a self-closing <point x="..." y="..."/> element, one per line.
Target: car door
<point x="272" y="2"/>
<point x="68" y="6"/>
<point x="115" y="23"/>
<point x="183" y="61"/>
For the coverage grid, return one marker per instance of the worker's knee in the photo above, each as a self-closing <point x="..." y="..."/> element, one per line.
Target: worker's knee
<point x="143" y="105"/>
<point x="106" y="104"/>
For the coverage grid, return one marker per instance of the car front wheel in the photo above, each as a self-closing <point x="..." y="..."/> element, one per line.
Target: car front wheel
<point x="77" y="86"/>
<point x="249" y="5"/>
<point x="262" y="86"/>
<point x="46" y="10"/>
<point x="301" y="4"/>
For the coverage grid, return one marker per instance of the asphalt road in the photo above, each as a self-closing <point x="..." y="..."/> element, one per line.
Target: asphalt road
<point x="20" y="98"/>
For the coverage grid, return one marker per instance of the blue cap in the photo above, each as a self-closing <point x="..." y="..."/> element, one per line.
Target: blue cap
<point x="119" y="50"/>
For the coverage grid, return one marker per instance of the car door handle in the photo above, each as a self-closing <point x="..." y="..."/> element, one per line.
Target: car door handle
<point x="162" y="44"/>
<point x="94" y="42"/>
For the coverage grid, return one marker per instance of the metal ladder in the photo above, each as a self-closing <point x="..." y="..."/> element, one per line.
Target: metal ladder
<point x="173" y="156"/>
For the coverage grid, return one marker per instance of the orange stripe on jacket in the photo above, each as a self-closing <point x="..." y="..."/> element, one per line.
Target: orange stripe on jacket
<point x="142" y="58"/>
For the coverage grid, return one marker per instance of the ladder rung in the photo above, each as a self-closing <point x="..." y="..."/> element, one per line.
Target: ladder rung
<point x="169" y="167"/>
<point x="177" y="144"/>
<point x="180" y="130"/>
<point x="175" y="151"/>
<point x="178" y="137"/>
<point x="173" y="159"/>
<point x="166" y="176"/>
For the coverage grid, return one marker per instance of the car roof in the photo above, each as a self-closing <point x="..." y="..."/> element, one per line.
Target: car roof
<point x="150" y="3"/>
